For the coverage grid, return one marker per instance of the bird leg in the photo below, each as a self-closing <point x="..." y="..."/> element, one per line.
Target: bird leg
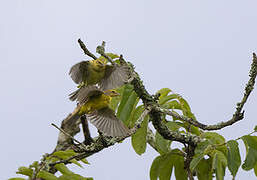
<point x="88" y="139"/>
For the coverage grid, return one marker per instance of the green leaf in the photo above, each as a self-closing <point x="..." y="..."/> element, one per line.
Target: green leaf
<point x="162" y="145"/>
<point x="17" y="178"/>
<point x="255" y="169"/>
<point x="162" y="167"/>
<point x="163" y="92"/>
<point x="172" y="105"/>
<point x="204" y="169"/>
<point x="200" y="148"/>
<point x="34" y="164"/>
<point x="25" y="171"/>
<point x="166" y="166"/>
<point x="251" y="141"/>
<point x="234" y="158"/>
<point x="216" y="139"/>
<point x="139" y="138"/>
<point x="74" y="161"/>
<point x="180" y="172"/>
<point x="255" y="128"/>
<point x="184" y="104"/>
<point x="155" y="168"/>
<point x="250" y="160"/>
<point x="165" y="99"/>
<point x="219" y="164"/>
<point x="113" y="56"/>
<point x="67" y="154"/>
<point x="63" y="169"/>
<point x="46" y="175"/>
<point x="195" y="161"/>
<point x="64" y="154"/>
<point x="127" y="90"/>
<point x="128" y="101"/>
<point x="84" y="161"/>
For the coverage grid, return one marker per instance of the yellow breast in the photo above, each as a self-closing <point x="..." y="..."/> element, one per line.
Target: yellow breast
<point x="95" y="103"/>
<point x="96" y="73"/>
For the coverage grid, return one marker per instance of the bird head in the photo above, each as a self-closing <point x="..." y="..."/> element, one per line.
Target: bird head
<point x="111" y="93"/>
<point x="98" y="63"/>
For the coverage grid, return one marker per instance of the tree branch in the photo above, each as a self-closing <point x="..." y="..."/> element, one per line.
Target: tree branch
<point x="86" y="51"/>
<point x="155" y="115"/>
<point x="237" y="116"/>
<point x="101" y="142"/>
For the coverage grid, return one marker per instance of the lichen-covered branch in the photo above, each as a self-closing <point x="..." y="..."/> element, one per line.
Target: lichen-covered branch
<point x="155" y="115"/>
<point x="99" y="143"/>
<point x="237" y="116"/>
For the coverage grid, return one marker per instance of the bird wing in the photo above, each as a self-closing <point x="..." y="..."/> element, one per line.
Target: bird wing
<point x="79" y="71"/>
<point x="106" y="121"/>
<point x="83" y="94"/>
<point x="115" y="76"/>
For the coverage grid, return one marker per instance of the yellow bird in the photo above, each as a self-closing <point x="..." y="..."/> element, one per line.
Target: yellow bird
<point x="97" y="71"/>
<point x="94" y="103"/>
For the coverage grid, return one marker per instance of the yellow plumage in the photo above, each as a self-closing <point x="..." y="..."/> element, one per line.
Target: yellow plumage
<point x="86" y="73"/>
<point x="94" y="103"/>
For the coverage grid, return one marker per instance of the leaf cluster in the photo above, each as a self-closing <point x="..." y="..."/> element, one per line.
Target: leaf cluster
<point x="43" y="169"/>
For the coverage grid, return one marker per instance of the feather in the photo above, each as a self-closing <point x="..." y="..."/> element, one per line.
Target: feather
<point x="106" y="121"/>
<point x="83" y="94"/>
<point x="79" y="71"/>
<point x="115" y="76"/>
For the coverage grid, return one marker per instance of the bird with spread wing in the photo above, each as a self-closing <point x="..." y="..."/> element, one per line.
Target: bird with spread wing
<point x="94" y="104"/>
<point x="97" y="71"/>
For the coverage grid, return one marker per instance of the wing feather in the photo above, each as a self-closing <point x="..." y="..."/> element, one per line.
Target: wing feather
<point x="79" y="71"/>
<point x="115" y="76"/>
<point x="106" y="121"/>
<point x="83" y="94"/>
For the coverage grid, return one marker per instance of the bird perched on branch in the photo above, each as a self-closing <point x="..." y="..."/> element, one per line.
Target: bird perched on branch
<point x="97" y="71"/>
<point x="94" y="103"/>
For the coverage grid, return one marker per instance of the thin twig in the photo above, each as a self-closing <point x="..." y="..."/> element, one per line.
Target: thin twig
<point x="65" y="133"/>
<point x="86" y="51"/>
<point x="66" y="161"/>
<point x="140" y="120"/>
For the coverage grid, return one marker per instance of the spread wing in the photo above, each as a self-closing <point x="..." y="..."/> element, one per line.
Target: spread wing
<point x="79" y="71"/>
<point x="115" y="76"/>
<point x="106" y="121"/>
<point x="84" y="93"/>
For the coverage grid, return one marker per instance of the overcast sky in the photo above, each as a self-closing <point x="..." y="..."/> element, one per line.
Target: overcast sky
<point x="200" y="49"/>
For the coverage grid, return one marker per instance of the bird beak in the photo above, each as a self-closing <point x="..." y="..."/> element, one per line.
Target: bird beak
<point x="116" y="94"/>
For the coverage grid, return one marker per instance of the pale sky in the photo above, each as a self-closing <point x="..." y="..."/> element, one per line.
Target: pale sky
<point x="200" y="49"/>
